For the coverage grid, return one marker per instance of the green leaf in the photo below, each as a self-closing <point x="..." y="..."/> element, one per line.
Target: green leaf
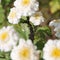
<point x="26" y="30"/>
<point x="7" y="55"/>
<point x="44" y="29"/>
<point x="1" y="54"/>
<point x="1" y="14"/>
<point x="24" y="18"/>
<point x="55" y="6"/>
<point x="5" y="2"/>
<point x="23" y="30"/>
<point x="40" y="44"/>
<point x="42" y="34"/>
<point x="4" y="55"/>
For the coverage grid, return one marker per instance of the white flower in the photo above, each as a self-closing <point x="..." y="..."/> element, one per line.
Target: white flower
<point x="8" y="38"/>
<point x="57" y="30"/>
<point x="37" y="18"/>
<point x="14" y="16"/>
<point x="51" y="50"/>
<point x="27" y="7"/>
<point x="55" y="23"/>
<point x="25" y="51"/>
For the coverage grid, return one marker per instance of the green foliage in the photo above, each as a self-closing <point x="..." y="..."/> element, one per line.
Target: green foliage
<point x="23" y="30"/>
<point x="42" y="33"/>
<point x="5" y="2"/>
<point x="2" y="17"/>
<point x="24" y="18"/>
<point x="40" y="36"/>
<point x="4" y="55"/>
<point x="55" y="5"/>
<point x="44" y="29"/>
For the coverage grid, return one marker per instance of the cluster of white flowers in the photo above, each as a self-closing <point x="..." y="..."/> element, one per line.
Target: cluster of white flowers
<point x="56" y="25"/>
<point x="22" y="8"/>
<point x="51" y="50"/>
<point x="25" y="8"/>
<point x="9" y="38"/>
<point x="25" y="50"/>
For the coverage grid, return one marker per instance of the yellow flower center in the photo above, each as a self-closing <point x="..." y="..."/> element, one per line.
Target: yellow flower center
<point x="24" y="53"/>
<point x="56" y="52"/>
<point x="13" y="14"/>
<point x="25" y="2"/>
<point x="37" y="16"/>
<point x="3" y="36"/>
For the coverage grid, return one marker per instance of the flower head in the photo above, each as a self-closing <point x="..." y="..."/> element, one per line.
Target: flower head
<point x="51" y="51"/>
<point x="8" y="38"/>
<point x="27" y="7"/>
<point x="55" y="23"/>
<point x="37" y="18"/>
<point x="57" y="31"/>
<point x="14" y="16"/>
<point x="25" y="51"/>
